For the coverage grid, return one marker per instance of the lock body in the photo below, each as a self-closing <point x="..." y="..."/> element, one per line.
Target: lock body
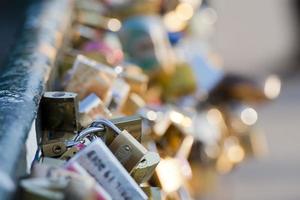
<point x="59" y="112"/>
<point x="127" y="150"/>
<point x="59" y="121"/>
<point x="88" y="76"/>
<point x="146" y="168"/>
<point x="133" y="124"/>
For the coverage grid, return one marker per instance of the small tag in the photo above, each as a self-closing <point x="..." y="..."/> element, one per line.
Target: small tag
<point x="100" y="163"/>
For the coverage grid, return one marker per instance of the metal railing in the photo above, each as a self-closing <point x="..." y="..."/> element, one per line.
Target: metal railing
<point x="22" y="82"/>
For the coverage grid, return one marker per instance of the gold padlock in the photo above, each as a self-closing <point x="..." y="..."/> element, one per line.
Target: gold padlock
<point x="133" y="124"/>
<point x="125" y="147"/>
<point x="145" y="169"/>
<point x="135" y="77"/>
<point x="127" y="150"/>
<point x="133" y="103"/>
<point x="59" y="121"/>
<point x="59" y="112"/>
<point x="170" y="142"/>
<point x="88" y="76"/>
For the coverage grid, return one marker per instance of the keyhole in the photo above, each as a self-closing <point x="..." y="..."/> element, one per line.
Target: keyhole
<point x="56" y="149"/>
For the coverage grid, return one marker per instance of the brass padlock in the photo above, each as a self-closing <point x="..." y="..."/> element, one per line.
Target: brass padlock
<point x="145" y="169"/>
<point x="135" y="77"/>
<point x="133" y="104"/>
<point x="59" y="112"/>
<point x="127" y="150"/>
<point x="170" y="142"/>
<point x="91" y="108"/>
<point x="88" y="76"/>
<point x="133" y="124"/>
<point x="124" y="146"/>
<point x="59" y="121"/>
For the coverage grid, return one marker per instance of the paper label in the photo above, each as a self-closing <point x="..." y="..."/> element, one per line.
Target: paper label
<point x="100" y="163"/>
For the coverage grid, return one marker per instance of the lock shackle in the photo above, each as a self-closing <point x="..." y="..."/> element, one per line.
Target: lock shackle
<point x="106" y="123"/>
<point x="87" y="132"/>
<point x="72" y="143"/>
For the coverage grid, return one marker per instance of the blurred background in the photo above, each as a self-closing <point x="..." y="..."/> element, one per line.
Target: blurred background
<point x="255" y="38"/>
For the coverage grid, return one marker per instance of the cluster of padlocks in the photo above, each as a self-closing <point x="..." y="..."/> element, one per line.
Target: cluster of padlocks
<point x="141" y="108"/>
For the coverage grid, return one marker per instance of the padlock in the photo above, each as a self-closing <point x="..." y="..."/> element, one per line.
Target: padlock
<point x="145" y="169"/>
<point x="170" y="142"/>
<point x="181" y="83"/>
<point x="237" y="88"/>
<point x="59" y="121"/>
<point x="117" y="95"/>
<point x="133" y="124"/>
<point x="135" y="77"/>
<point x="170" y="130"/>
<point x="59" y="112"/>
<point x="127" y="150"/>
<point x="91" y="108"/>
<point x="138" y="82"/>
<point x="153" y="193"/>
<point x="133" y="104"/>
<point x="125" y="147"/>
<point x="88" y="76"/>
